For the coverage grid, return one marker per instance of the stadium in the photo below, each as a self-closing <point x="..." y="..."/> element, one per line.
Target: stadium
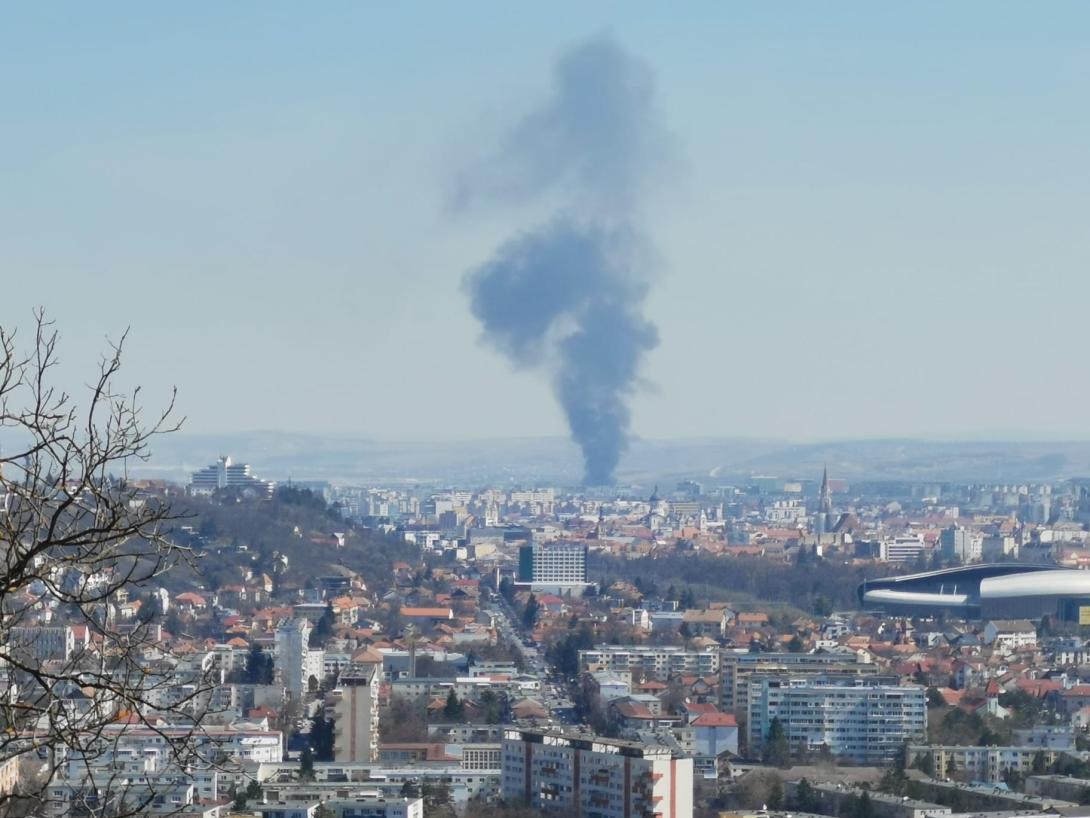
<point x="985" y="591"/>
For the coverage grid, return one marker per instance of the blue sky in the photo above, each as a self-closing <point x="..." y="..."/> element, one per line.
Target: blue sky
<point x="873" y="229"/>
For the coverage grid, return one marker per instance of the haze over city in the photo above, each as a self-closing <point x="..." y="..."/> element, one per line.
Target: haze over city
<point x="863" y="225"/>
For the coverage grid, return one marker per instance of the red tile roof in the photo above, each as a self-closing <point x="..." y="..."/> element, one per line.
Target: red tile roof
<point x="716" y="720"/>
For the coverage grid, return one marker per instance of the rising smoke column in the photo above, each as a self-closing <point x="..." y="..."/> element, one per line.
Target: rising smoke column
<point x="566" y="297"/>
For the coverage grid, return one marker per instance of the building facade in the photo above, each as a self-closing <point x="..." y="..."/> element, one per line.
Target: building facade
<point x="655" y="662"/>
<point x="595" y="777"/>
<point x="42" y="643"/>
<point x="865" y="721"/>
<point x="739" y="667"/>
<point x="356" y="729"/>
<point x="979" y="763"/>
<point x="225" y="473"/>
<point x="556" y="567"/>
<point x="298" y="668"/>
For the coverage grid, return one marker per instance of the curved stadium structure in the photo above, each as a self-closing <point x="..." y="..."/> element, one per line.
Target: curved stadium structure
<point x="984" y="591"/>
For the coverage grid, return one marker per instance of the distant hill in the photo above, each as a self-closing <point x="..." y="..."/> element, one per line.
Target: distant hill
<point x="528" y="461"/>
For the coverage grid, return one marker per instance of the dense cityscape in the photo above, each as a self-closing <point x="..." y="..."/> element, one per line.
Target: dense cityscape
<point x="565" y="410"/>
<point x="781" y="644"/>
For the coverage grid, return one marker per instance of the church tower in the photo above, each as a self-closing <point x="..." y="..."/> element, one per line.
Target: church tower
<point x="825" y="506"/>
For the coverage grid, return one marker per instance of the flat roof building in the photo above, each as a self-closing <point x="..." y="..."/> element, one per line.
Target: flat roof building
<point x="584" y="774"/>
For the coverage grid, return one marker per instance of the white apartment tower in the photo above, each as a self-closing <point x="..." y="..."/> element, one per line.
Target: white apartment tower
<point x="593" y="776"/>
<point x="298" y="668"/>
<point x="555" y="567"/>
<point x="864" y="719"/>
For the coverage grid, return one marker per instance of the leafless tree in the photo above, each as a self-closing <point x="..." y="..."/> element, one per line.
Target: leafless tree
<point x="75" y="536"/>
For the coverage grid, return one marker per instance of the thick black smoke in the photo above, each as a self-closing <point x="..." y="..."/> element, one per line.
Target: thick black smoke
<point x="567" y="296"/>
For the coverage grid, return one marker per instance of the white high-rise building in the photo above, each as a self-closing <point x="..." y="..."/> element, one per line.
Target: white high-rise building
<point x="864" y="720"/>
<point x="298" y="668"/>
<point x="590" y="775"/>
<point x="356" y="713"/>
<point x="225" y="473"/>
<point x="556" y="567"/>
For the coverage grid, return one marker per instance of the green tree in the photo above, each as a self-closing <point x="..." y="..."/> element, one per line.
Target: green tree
<point x="435" y="795"/>
<point x="150" y="609"/>
<point x="989" y="738"/>
<point x="260" y="668"/>
<point x="306" y="764"/>
<point x="531" y="612"/>
<point x="776" y="751"/>
<point x="925" y="763"/>
<point x="323" y="628"/>
<point x="493" y="707"/>
<point x="409" y="789"/>
<point x="775" y="795"/>
<point x="1012" y="778"/>
<point x="1027" y="708"/>
<point x="564" y="654"/>
<point x="453" y="709"/>
<point x="1040" y="763"/>
<point x="806" y="798"/>
<point x="322" y="733"/>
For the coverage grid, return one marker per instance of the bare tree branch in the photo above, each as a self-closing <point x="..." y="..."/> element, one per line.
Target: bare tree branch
<point x="76" y="535"/>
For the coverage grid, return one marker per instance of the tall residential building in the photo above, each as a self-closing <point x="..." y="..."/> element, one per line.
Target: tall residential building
<point x="356" y="713"/>
<point x="555" y="567"/>
<point x="589" y="775"/>
<point x="225" y="473"/>
<point x="298" y="668"/>
<point x="866" y="721"/>
<point x="739" y="668"/>
<point x="963" y="543"/>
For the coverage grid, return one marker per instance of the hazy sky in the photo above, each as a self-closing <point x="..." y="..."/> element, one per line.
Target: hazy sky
<point x="875" y="227"/>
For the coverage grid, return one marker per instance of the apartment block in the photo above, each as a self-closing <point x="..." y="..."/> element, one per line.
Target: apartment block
<point x="979" y="763"/>
<point x="556" y="567"/>
<point x="356" y="714"/>
<point x="738" y="668"/>
<point x="593" y="776"/>
<point x="866" y="720"/>
<point x="655" y="662"/>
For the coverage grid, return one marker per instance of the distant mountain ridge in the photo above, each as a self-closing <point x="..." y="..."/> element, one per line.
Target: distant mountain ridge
<point x="555" y="460"/>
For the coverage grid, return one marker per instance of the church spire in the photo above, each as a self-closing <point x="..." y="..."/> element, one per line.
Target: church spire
<point x="826" y="495"/>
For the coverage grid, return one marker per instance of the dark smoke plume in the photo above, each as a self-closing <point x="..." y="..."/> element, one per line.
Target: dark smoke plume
<point x="567" y="296"/>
